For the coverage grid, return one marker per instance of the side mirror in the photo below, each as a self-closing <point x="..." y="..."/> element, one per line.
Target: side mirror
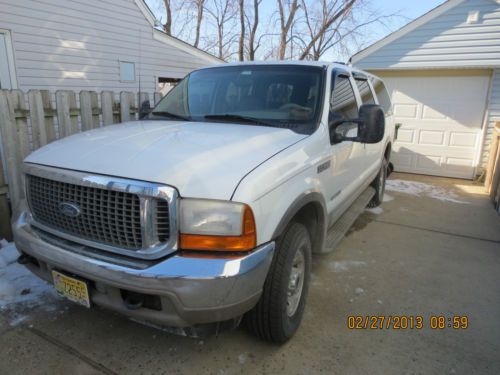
<point x="371" y="125"/>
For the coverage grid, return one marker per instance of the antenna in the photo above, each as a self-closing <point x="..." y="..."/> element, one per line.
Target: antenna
<point x="144" y="107"/>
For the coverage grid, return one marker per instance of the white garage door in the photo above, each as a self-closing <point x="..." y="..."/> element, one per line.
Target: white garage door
<point x="441" y="117"/>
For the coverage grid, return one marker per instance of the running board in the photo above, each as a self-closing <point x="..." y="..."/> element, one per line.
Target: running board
<point x="337" y="231"/>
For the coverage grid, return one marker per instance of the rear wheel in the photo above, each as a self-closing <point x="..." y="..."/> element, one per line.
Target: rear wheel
<point x="379" y="185"/>
<point x="278" y="314"/>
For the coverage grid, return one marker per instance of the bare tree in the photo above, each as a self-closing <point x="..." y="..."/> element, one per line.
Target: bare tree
<point x="168" y="22"/>
<point x="300" y="29"/>
<point x="241" y="42"/>
<point x="200" y="6"/>
<point x="223" y="12"/>
<point x="286" y="22"/>
<point x="331" y="12"/>
<point x="253" y="25"/>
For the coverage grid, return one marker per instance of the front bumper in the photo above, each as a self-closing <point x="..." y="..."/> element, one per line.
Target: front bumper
<point x="192" y="290"/>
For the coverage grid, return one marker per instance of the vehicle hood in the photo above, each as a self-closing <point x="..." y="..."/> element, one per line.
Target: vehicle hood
<point x="200" y="159"/>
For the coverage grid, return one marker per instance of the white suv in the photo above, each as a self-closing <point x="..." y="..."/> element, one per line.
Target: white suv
<point x="209" y="209"/>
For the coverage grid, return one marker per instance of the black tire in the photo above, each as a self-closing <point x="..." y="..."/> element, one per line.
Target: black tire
<point x="379" y="185"/>
<point x="272" y="319"/>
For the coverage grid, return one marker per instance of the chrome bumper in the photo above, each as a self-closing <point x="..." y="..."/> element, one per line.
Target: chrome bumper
<point x="192" y="290"/>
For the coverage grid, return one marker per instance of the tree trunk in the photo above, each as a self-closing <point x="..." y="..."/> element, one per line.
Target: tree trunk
<point x="241" y="44"/>
<point x="253" y="32"/>
<point x="168" y="22"/>
<point x="285" y="25"/>
<point x="200" y="5"/>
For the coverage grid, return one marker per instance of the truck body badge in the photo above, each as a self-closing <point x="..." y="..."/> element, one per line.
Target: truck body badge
<point x="69" y="209"/>
<point x="324" y="166"/>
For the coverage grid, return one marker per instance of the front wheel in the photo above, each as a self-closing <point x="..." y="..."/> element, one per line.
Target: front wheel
<point x="278" y="314"/>
<point x="379" y="185"/>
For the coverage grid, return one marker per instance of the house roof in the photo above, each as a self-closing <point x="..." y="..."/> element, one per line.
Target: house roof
<point x="171" y="40"/>
<point x="416" y="23"/>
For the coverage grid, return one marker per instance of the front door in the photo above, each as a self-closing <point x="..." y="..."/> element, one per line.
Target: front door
<point x="347" y="157"/>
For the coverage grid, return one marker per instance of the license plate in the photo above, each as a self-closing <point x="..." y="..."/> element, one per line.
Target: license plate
<point x="73" y="289"/>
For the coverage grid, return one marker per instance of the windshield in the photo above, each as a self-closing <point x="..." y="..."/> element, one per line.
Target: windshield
<point x="269" y="95"/>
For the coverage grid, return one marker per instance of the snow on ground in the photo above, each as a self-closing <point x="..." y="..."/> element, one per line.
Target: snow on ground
<point x="375" y="210"/>
<point x="420" y="188"/>
<point x="344" y="265"/>
<point x="17" y="284"/>
<point x="387" y="197"/>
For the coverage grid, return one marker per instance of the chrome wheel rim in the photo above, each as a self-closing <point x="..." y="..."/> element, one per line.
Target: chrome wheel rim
<point x="295" y="283"/>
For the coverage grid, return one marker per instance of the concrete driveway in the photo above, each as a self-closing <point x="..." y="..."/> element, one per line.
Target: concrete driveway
<point x="432" y="249"/>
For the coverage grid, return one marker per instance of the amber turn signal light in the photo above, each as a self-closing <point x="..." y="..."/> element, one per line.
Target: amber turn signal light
<point x="244" y="242"/>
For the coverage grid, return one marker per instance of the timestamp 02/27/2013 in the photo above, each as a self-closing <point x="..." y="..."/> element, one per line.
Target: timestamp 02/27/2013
<point x="404" y="322"/>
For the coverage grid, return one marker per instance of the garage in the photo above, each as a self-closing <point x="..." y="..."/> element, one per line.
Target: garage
<point x="441" y="116"/>
<point x="442" y="71"/>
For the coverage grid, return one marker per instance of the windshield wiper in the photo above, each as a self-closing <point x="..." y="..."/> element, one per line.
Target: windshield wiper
<point x="231" y="117"/>
<point x="170" y="114"/>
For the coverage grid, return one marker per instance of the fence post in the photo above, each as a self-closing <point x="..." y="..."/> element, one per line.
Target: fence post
<point x="42" y="118"/>
<point x="67" y="113"/>
<point x="110" y="108"/>
<point x="127" y="106"/>
<point x="5" y="229"/>
<point x="15" y="142"/>
<point x="89" y="110"/>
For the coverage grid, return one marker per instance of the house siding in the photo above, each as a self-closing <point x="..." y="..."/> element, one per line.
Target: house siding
<point x="78" y="45"/>
<point x="492" y="115"/>
<point x="444" y="42"/>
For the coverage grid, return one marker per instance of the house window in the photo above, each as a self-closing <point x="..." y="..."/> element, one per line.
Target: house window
<point x="127" y="71"/>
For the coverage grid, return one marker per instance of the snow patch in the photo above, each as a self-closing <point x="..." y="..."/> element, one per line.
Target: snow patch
<point x="242" y="358"/>
<point x="387" y="197"/>
<point x="345" y="265"/>
<point x="420" y="188"/>
<point x="17" y="284"/>
<point x="375" y="210"/>
<point x="359" y="291"/>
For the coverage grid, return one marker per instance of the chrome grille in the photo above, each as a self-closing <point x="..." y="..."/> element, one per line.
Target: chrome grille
<point x="162" y="221"/>
<point x="106" y="216"/>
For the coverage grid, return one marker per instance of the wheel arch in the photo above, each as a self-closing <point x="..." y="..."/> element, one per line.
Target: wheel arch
<point x="387" y="151"/>
<point x="309" y="209"/>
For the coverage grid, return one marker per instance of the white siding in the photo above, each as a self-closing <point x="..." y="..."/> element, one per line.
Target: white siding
<point x="445" y="41"/>
<point x="77" y="45"/>
<point x="493" y="114"/>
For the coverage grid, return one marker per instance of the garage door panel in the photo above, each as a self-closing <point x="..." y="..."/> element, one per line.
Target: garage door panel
<point x="441" y="119"/>
<point x="462" y="139"/>
<point x="428" y="162"/>
<point x="402" y="110"/>
<point x="431" y="137"/>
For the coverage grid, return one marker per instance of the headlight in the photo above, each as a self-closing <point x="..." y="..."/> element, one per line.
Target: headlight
<point x="216" y="225"/>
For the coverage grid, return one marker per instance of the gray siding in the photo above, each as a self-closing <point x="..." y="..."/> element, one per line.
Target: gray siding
<point x="77" y="45"/>
<point x="492" y="114"/>
<point x="445" y="41"/>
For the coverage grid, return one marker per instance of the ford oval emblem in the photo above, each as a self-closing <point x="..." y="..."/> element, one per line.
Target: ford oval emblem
<point x="69" y="209"/>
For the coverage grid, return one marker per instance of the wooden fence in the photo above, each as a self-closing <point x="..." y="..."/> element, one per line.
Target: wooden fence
<point x="492" y="181"/>
<point x="30" y="121"/>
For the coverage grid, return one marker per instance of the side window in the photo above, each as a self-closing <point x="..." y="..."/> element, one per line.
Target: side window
<point x="365" y="92"/>
<point x="382" y="95"/>
<point x="343" y="106"/>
